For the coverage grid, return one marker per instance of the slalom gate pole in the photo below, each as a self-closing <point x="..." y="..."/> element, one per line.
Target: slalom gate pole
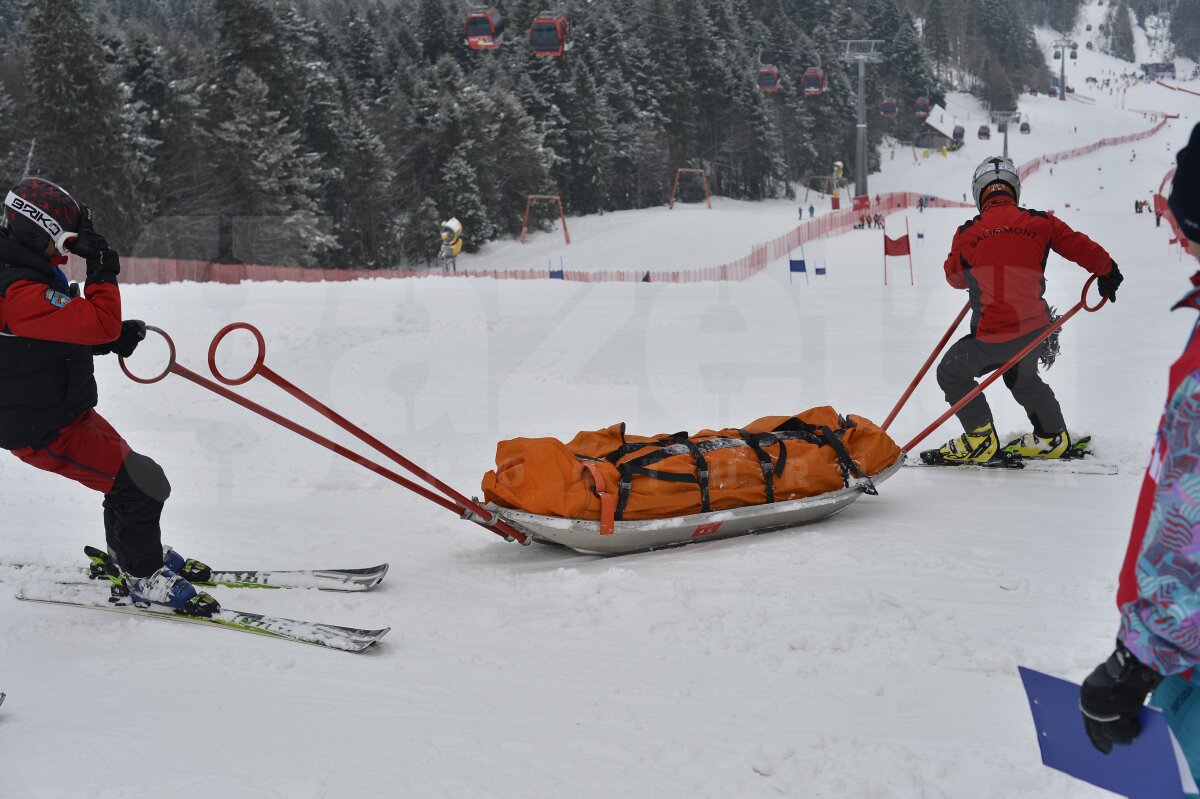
<point x="912" y="281"/>
<point x="928" y="362"/>
<point x="453" y="501"/>
<point x="1028" y="348"/>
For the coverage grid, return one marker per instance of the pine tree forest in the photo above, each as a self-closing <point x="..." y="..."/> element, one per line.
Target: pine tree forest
<point x="341" y="133"/>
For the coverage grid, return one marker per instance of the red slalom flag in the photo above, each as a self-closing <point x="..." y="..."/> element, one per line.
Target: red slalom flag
<point x="898" y="246"/>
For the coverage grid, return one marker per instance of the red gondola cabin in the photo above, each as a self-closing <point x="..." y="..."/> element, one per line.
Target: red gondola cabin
<point x="484" y="30"/>
<point x="814" y="81"/>
<point x="768" y="79"/>
<point x="889" y="108"/>
<point x="960" y="133"/>
<point x="550" y="35"/>
<point x="985" y="132"/>
<point x="921" y="107"/>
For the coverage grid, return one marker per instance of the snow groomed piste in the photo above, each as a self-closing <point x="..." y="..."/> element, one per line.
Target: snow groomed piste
<point x="508" y="513"/>
<point x="599" y="536"/>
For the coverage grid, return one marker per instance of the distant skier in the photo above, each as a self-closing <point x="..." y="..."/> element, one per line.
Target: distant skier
<point x="1157" y="649"/>
<point x="48" y="391"/>
<point x="999" y="257"/>
<point x="812" y="211"/>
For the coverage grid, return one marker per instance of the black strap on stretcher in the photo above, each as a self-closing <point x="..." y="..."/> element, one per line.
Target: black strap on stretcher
<point x="679" y="444"/>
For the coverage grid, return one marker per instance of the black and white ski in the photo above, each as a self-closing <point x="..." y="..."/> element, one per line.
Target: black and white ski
<point x="321" y="579"/>
<point x="1063" y="466"/>
<point x="329" y="636"/>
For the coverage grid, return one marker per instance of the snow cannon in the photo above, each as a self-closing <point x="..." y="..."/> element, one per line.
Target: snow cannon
<point x="452" y="242"/>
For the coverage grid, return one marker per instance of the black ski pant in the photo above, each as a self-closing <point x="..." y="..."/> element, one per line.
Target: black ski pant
<point x="969" y="358"/>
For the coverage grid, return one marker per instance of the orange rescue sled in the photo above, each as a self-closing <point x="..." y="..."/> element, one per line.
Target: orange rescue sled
<point x="608" y="491"/>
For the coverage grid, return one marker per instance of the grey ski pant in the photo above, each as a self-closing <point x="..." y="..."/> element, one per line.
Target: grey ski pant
<point x="969" y="358"/>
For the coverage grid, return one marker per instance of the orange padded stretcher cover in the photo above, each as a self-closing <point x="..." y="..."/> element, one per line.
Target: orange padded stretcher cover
<point x="609" y="473"/>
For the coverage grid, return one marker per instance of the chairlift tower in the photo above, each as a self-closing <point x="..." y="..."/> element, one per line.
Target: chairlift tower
<point x="1064" y="48"/>
<point x="1007" y="119"/>
<point x="862" y="52"/>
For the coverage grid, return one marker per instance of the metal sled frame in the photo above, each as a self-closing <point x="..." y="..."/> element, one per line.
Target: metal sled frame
<point x="638" y="536"/>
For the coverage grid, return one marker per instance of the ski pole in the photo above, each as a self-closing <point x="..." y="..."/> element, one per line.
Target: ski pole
<point x="469" y="509"/>
<point x="1028" y="348"/>
<point x="928" y="362"/>
<point x="173" y="367"/>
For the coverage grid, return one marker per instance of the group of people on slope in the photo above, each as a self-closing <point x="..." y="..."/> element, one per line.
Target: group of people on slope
<point x="50" y="331"/>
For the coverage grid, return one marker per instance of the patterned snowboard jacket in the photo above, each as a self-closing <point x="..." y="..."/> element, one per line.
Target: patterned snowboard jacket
<point x="1159" y="594"/>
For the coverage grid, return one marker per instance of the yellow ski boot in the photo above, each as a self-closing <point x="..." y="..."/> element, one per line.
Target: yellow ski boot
<point x="979" y="446"/>
<point x="1031" y="446"/>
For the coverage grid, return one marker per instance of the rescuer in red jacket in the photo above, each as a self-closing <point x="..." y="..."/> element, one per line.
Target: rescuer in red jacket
<point x="999" y="257"/>
<point x="48" y="335"/>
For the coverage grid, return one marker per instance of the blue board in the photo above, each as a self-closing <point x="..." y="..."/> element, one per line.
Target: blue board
<point x="1146" y="769"/>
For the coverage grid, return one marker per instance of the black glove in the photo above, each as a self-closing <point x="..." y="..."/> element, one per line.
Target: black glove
<point x="86" y="223"/>
<point x="1109" y="283"/>
<point x="132" y="333"/>
<point x="103" y="263"/>
<point x="1113" y="695"/>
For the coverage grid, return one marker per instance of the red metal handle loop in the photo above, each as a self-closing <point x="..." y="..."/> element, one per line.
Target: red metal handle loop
<point x="258" y="362"/>
<point x="1083" y="297"/>
<point x="166" y="369"/>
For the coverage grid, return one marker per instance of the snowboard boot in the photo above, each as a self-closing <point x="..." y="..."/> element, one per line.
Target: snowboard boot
<point x="979" y="446"/>
<point x="1033" y="446"/>
<point x="167" y="588"/>
<point x="105" y="565"/>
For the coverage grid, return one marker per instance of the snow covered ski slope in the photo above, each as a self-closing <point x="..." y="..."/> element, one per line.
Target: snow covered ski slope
<point x="871" y="655"/>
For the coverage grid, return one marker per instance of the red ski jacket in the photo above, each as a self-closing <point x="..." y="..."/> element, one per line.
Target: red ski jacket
<point x="46" y="340"/>
<point x="999" y="257"/>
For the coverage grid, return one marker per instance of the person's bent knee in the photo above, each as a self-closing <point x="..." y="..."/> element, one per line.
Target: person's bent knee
<point x="143" y="475"/>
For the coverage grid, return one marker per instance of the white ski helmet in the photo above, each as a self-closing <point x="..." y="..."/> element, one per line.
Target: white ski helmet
<point x="993" y="170"/>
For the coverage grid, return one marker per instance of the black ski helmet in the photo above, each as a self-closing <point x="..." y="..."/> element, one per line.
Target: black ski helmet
<point x="38" y="212"/>
<point x="995" y="170"/>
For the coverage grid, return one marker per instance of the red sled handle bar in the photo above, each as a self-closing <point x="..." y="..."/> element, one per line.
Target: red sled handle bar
<point x="449" y="498"/>
<point x="1082" y="305"/>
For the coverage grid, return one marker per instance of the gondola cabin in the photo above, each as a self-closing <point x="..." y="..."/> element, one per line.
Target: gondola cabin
<point x="1089" y="46"/>
<point x="1057" y="55"/>
<point x="814" y="82"/>
<point x="484" y="30"/>
<point x="1089" y="26"/>
<point x="960" y="133"/>
<point x="1025" y="127"/>
<point x="768" y="79"/>
<point x="889" y="108"/>
<point x="985" y="132"/>
<point x="921" y="107"/>
<point x="550" y="35"/>
<point x="1074" y="54"/>
<point x="1002" y="127"/>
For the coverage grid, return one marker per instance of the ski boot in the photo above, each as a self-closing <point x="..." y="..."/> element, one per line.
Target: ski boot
<point x="1034" y="446"/>
<point x="167" y="588"/>
<point x="105" y="566"/>
<point x="980" y="447"/>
